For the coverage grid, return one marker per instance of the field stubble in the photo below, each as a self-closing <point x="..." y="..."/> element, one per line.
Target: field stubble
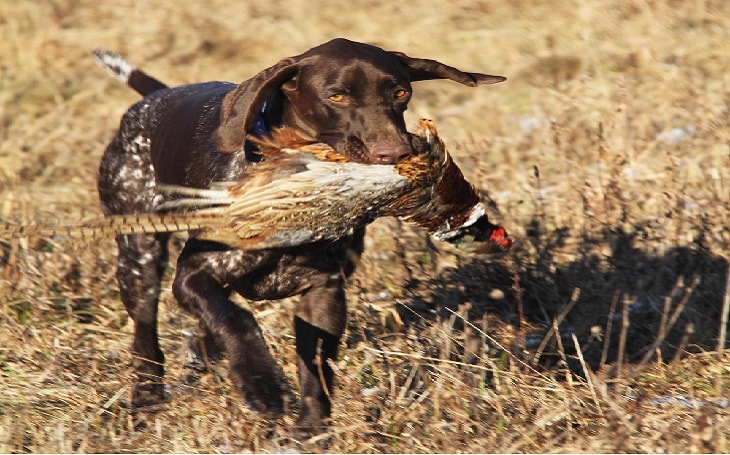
<point x="606" y="155"/>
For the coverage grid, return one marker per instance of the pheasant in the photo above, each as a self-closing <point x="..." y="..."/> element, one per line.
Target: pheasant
<point x="304" y="191"/>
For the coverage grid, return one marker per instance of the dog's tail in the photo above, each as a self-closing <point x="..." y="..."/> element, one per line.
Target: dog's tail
<point x="124" y="71"/>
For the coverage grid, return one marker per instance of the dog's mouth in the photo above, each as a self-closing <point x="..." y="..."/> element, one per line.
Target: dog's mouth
<point x="380" y="152"/>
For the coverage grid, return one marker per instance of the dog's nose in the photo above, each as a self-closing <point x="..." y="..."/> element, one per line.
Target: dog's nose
<point x="388" y="153"/>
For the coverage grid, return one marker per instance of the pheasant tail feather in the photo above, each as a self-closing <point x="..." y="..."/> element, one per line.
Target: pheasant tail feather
<point x="107" y="227"/>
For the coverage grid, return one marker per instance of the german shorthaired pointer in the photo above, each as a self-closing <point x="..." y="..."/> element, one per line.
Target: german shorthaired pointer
<point x="347" y="94"/>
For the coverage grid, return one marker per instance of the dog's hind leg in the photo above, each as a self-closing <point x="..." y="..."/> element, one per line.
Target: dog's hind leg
<point x="126" y="185"/>
<point x="141" y="263"/>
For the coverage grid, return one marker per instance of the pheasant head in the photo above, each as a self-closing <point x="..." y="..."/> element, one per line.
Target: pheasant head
<point x="445" y="203"/>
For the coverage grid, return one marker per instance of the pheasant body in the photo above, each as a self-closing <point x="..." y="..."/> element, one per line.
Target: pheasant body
<point x="305" y="191"/>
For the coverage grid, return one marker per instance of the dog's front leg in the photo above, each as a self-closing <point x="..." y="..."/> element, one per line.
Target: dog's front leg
<point x="319" y="323"/>
<point x="202" y="286"/>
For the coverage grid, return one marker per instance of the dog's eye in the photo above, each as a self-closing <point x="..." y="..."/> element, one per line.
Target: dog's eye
<point x="337" y="97"/>
<point x="400" y="93"/>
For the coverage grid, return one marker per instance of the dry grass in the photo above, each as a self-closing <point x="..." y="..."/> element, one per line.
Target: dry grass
<point x="606" y="154"/>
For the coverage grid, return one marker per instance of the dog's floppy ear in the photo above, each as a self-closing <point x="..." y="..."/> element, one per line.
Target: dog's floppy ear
<point x="421" y="69"/>
<point x="242" y="104"/>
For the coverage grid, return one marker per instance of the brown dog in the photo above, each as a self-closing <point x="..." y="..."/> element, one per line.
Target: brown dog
<point x="349" y="95"/>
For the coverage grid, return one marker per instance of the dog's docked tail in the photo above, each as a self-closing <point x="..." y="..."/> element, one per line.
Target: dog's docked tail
<point x="122" y="70"/>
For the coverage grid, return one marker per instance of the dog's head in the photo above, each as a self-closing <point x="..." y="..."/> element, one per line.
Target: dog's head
<point x="349" y="95"/>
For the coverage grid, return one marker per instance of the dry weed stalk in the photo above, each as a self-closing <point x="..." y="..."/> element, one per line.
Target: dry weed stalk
<point x="627" y="302"/>
<point x="554" y="331"/>
<point x="667" y="324"/>
<point x="609" y="328"/>
<point x="722" y="338"/>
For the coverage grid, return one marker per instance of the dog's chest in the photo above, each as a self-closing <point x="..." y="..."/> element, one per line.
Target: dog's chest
<point x="276" y="274"/>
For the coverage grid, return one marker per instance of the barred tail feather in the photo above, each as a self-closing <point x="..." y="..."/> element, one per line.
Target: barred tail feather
<point x="107" y="227"/>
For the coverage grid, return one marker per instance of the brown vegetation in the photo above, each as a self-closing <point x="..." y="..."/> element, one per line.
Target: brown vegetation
<point x="606" y="155"/>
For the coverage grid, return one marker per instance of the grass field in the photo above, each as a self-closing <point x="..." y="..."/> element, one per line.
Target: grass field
<point x="606" y="155"/>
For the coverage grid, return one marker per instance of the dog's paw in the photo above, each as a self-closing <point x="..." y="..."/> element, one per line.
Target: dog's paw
<point x="313" y="418"/>
<point x="150" y="393"/>
<point x="265" y="392"/>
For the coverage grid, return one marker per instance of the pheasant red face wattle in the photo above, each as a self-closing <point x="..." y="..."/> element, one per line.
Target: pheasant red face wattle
<point x="499" y="236"/>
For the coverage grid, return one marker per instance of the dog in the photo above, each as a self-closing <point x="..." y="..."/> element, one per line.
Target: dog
<point x="346" y="94"/>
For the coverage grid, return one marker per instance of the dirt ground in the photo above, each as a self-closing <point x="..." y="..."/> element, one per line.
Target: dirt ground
<point x="606" y="155"/>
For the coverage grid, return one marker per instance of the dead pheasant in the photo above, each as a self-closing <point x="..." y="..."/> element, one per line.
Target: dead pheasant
<point x="305" y="191"/>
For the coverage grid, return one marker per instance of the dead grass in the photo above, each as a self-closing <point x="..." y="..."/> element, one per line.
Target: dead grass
<point x="606" y="154"/>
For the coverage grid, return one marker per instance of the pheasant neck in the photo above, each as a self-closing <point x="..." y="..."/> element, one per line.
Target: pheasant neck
<point x="452" y="206"/>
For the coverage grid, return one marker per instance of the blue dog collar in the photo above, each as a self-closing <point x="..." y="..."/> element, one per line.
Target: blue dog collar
<point x="259" y="128"/>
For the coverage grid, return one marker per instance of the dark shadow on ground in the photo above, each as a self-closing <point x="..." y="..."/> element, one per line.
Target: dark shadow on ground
<point x="612" y="278"/>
